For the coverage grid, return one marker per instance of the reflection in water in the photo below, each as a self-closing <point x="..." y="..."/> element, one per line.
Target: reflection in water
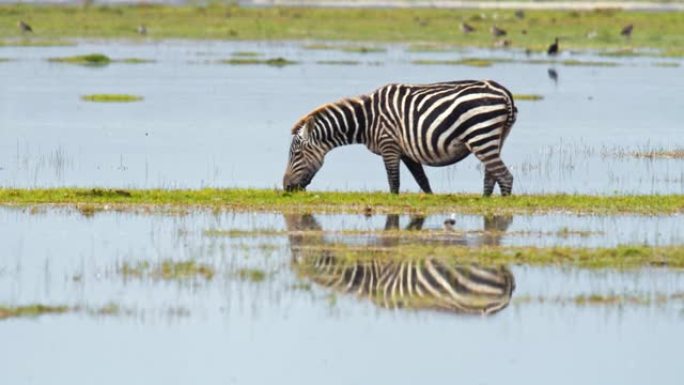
<point x="418" y="283"/>
<point x="553" y="75"/>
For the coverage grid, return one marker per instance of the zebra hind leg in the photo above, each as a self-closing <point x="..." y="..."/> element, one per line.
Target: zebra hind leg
<point x="495" y="171"/>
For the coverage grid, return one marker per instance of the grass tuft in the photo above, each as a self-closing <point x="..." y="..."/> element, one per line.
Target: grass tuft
<point x="93" y="59"/>
<point x="527" y="97"/>
<point x="34" y="310"/>
<point x="252" y="275"/>
<point x="275" y="62"/>
<point x="111" y="98"/>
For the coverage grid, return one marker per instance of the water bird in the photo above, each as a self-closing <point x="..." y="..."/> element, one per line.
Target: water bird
<point x="553" y="48"/>
<point x="503" y="43"/>
<point x="627" y="30"/>
<point x="520" y="14"/>
<point x="467" y="28"/>
<point x="553" y="75"/>
<point x="449" y="224"/>
<point x="24" y="27"/>
<point x="142" y="29"/>
<point x="498" y="32"/>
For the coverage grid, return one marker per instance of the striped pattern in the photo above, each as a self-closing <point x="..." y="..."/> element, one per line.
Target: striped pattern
<point x="433" y="124"/>
<point x="425" y="284"/>
<point x="430" y="283"/>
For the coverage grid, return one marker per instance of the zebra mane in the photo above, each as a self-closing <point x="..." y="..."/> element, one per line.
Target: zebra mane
<point x="300" y="123"/>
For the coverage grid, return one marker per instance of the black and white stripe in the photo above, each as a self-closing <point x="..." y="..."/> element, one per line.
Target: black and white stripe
<point x="427" y="283"/>
<point x="423" y="284"/>
<point x="433" y="124"/>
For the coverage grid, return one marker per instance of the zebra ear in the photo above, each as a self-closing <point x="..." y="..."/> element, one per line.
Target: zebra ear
<point x="306" y="129"/>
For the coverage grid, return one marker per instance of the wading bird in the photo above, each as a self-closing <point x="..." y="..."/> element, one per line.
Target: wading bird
<point x="24" y="27"/>
<point x="142" y="29"/>
<point x="467" y="28"/>
<point x="553" y="48"/>
<point x="627" y="30"/>
<point x="498" y="32"/>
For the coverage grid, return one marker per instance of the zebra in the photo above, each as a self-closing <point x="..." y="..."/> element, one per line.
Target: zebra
<point x="427" y="283"/>
<point x="435" y="124"/>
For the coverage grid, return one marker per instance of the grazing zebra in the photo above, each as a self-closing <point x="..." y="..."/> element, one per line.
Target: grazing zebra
<point x="428" y="283"/>
<point x="431" y="124"/>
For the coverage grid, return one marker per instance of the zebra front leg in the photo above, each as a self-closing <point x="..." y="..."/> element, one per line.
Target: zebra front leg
<point x="495" y="171"/>
<point x="418" y="173"/>
<point x="392" y="167"/>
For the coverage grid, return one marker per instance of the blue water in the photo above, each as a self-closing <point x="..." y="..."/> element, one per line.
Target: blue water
<point x="208" y="124"/>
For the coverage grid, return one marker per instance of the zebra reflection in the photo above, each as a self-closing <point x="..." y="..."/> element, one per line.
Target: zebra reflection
<point x="425" y="283"/>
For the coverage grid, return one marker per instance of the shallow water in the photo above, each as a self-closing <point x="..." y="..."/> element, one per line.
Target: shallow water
<point x="290" y="329"/>
<point x="209" y="124"/>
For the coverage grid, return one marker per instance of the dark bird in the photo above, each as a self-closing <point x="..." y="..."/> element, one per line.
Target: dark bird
<point x="553" y="48"/>
<point x="24" y="27"/>
<point x="498" y="32"/>
<point x="627" y="30"/>
<point x="520" y="14"/>
<point x="503" y="43"/>
<point x="142" y="30"/>
<point x="553" y="75"/>
<point x="467" y="28"/>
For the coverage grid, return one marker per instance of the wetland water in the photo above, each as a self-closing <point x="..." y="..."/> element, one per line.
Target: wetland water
<point x="202" y="123"/>
<point x="253" y="298"/>
<point x="290" y="326"/>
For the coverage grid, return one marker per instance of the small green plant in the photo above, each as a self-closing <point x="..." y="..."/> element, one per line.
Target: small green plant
<point x="252" y="275"/>
<point x="111" y="98"/>
<point x="527" y="97"/>
<point x="34" y="310"/>
<point x="275" y="62"/>
<point x="93" y="59"/>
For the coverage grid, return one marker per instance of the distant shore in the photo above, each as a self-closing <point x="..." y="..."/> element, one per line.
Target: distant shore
<point x="457" y="4"/>
<point x="653" y="33"/>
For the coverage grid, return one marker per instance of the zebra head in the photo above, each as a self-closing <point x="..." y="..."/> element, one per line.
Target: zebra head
<point x="306" y="156"/>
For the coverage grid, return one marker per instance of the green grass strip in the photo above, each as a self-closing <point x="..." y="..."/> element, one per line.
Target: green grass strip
<point x="599" y="29"/>
<point x="345" y="202"/>
<point x="620" y="257"/>
<point x="111" y="98"/>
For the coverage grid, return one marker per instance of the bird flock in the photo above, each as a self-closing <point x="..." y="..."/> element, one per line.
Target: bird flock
<point x="553" y="49"/>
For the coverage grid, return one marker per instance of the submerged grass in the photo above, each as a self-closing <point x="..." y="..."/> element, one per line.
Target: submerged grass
<point x="93" y="59"/>
<point x="275" y="62"/>
<point x="167" y="270"/>
<point x="251" y="275"/>
<point x="97" y="60"/>
<point x="620" y="257"/>
<point x="111" y="98"/>
<point x="604" y="300"/>
<point x="34" y="310"/>
<point x="344" y="202"/>
<point x="527" y="97"/>
<point x="598" y="29"/>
